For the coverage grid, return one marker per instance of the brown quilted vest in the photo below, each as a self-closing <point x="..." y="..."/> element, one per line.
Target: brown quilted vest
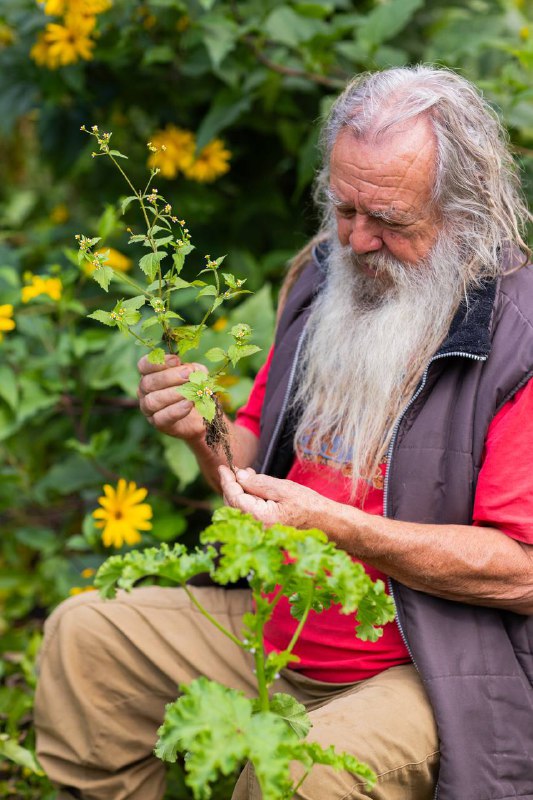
<point x="476" y="662"/>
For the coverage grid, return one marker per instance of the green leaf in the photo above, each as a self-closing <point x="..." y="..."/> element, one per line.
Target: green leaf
<point x="207" y="291"/>
<point x="206" y="407"/>
<point x="134" y="303"/>
<point x="150" y="322"/>
<point x="11" y="749"/>
<point x="179" y="259"/>
<point x="187" y="337"/>
<point x="220" y="35"/>
<point x="149" y="264"/>
<point x="104" y="317"/>
<point x="284" y="25"/>
<point x="8" y="386"/>
<point x="125" y="202"/>
<point x="215" y="354"/>
<point x="227" y="107"/>
<point x="102" y="275"/>
<point x="238" y="351"/>
<point x="117" y="154"/>
<point x="386" y="20"/>
<point x="181" y="460"/>
<point x="156" y="356"/>
<point x="293" y="712"/>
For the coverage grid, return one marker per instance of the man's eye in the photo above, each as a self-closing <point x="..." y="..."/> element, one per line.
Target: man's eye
<point x="346" y="213"/>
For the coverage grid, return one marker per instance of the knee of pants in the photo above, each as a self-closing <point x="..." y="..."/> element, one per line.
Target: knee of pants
<point x="71" y="626"/>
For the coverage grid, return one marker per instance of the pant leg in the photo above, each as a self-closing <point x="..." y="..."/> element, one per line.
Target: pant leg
<point x="107" y="670"/>
<point x="386" y="722"/>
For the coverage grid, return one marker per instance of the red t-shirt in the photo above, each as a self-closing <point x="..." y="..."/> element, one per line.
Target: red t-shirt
<point x="328" y="648"/>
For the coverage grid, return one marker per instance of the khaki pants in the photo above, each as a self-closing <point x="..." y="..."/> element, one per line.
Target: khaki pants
<point x="109" y="667"/>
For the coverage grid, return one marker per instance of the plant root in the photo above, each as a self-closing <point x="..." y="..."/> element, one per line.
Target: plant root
<point x="217" y="434"/>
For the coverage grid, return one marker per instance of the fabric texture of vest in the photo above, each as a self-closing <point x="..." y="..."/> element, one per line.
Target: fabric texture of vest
<point x="476" y="662"/>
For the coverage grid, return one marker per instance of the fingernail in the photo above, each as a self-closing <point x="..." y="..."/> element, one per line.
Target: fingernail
<point x="242" y="474"/>
<point x="184" y="373"/>
<point x="173" y="361"/>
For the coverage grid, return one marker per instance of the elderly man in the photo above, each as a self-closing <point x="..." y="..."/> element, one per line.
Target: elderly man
<point x="394" y="412"/>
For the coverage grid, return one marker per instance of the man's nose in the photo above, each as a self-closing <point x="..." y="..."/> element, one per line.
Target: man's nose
<point x="364" y="235"/>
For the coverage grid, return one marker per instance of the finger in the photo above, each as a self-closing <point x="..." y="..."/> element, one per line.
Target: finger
<point x="156" y="401"/>
<point x="230" y="488"/>
<point x="165" y="379"/>
<point x="262" y="485"/>
<point x="171" y="415"/>
<point x="145" y="367"/>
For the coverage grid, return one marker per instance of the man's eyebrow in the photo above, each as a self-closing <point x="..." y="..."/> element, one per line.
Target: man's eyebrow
<point x="391" y="215"/>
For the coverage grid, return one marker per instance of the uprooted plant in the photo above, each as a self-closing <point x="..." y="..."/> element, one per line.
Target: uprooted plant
<point x="160" y="324"/>
<point x="215" y="727"/>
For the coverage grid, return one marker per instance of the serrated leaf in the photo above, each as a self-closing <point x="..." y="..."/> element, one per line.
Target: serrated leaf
<point x="134" y="303"/>
<point x="238" y="351"/>
<point x="293" y="712"/>
<point x="125" y="202"/>
<point x="178" y="283"/>
<point x="164" y="241"/>
<point x="179" y="259"/>
<point x="206" y="407"/>
<point x="156" y="356"/>
<point x="102" y="275"/>
<point x="149" y="264"/>
<point x="103" y="317"/>
<point x="207" y="291"/>
<point x="150" y="322"/>
<point x="215" y="354"/>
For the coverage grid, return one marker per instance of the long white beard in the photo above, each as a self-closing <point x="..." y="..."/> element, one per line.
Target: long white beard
<point x="367" y="343"/>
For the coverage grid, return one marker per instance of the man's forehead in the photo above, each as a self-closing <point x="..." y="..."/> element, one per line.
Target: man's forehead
<point x="401" y="159"/>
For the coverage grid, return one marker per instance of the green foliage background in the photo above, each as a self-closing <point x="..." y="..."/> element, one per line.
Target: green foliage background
<point x="258" y="73"/>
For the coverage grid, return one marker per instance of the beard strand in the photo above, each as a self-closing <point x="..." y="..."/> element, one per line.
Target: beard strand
<point x="368" y="340"/>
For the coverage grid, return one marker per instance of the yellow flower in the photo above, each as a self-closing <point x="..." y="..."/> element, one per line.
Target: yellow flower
<point x="56" y="8"/>
<point x="210" y="164"/>
<point x="65" y="44"/>
<point x="221" y="324"/>
<point x="7" y="36"/>
<point x="178" y="152"/>
<point x="80" y="589"/>
<point x="40" y="52"/>
<point x="87" y="572"/>
<point x="6" y="323"/>
<point x="37" y="285"/>
<point x="123" y="514"/>
<point x="59" y="214"/>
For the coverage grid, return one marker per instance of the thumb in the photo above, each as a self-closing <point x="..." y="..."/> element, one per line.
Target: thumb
<point x="260" y="485"/>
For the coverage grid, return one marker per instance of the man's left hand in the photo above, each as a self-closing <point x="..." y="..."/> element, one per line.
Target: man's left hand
<point x="272" y="500"/>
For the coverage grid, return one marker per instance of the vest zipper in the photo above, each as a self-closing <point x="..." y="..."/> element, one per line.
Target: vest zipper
<point x="421" y="386"/>
<point x="283" y="409"/>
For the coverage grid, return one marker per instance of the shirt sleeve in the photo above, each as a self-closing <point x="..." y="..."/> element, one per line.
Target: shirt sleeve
<point x="504" y="496"/>
<point x="250" y="414"/>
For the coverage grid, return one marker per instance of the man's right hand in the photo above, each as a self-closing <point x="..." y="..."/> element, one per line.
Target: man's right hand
<point x="161" y="402"/>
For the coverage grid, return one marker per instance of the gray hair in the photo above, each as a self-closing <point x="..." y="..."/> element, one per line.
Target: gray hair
<point x="477" y="188"/>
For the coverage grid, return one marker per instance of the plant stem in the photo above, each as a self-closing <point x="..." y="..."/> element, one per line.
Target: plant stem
<point x="302" y="622"/>
<point x="211" y="619"/>
<point x="138" y="287"/>
<point x="259" y="659"/>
